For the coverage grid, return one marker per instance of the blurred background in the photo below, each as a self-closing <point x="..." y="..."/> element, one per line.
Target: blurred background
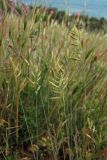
<point x="95" y="8"/>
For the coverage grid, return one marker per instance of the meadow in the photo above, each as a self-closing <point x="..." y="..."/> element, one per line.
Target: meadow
<point x="53" y="90"/>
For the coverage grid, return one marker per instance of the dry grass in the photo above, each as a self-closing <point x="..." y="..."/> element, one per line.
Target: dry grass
<point x="53" y="92"/>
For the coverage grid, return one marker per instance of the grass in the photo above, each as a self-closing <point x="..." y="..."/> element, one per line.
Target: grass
<point x="53" y="96"/>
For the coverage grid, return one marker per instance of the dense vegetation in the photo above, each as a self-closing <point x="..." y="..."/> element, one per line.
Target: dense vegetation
<point x="92" y="24"/>
<point x="82" y="20"/>
<point x="53" y="89"/>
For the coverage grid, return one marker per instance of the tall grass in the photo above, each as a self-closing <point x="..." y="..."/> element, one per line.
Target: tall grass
<point x="53" y="94"/>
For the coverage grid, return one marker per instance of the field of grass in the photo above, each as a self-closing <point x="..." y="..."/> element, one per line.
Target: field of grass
<point x="53" y="90"/>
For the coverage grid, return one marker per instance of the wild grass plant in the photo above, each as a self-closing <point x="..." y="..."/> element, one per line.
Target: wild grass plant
<point x="53" y="90"/>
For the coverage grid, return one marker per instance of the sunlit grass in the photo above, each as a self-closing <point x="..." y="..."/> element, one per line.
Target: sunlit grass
<point x="52" y="89"/>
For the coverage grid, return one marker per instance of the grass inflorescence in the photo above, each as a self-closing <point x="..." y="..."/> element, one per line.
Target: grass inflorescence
<point x="53" y="90"/>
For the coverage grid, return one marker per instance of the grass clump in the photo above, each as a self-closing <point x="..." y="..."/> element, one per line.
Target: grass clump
<point x="52" y="90"/>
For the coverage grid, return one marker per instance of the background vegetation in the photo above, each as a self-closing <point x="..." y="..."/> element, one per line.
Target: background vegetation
<point x="53" y="89"/>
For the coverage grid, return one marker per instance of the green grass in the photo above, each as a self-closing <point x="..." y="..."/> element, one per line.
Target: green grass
<point x="53" y="96"/>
